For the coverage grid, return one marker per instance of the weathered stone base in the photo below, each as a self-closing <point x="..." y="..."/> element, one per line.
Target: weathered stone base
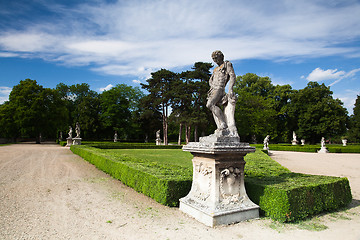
<point x="69" y="142"/>
<point x="77" y="141"/>
<point x="218" y="194"/>
<point x="247" y="210"/>
<point x="293" y="142"/>
<point x="323" y="150"/>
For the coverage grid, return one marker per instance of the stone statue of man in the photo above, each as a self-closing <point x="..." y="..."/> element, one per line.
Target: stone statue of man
<point x="266" y="142"/>
<point x="70" y="132"/>
<point x="294" y="136"/>
<point x="222" y="75"/>
<point x="322" y="142"/>
<point x="77" y="130"/>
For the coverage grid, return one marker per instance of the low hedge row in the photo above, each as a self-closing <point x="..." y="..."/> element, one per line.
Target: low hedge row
<point x="164" y="183"/>
<point x="333" y="148"/>
<point x="285" y="196"/>
<point x="294" y="196"/>
<point x="282" y="195"/>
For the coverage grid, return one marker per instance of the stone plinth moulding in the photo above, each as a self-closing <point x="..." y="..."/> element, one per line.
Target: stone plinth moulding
<point x="218" y="194"/>
<point x="76" y="141"/>
<point x="69" y="142"/>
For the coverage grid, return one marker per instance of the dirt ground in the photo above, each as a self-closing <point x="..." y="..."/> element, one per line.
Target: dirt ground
<point x="47" y="192"/>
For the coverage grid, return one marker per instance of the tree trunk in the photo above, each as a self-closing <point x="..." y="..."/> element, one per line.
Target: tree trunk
<point x="165" y="125"/>
<point x="187" y="133"/>
<point x="180" y="132"/>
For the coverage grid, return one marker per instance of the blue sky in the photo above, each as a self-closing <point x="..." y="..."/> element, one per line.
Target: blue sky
<point x="107" y="42"/>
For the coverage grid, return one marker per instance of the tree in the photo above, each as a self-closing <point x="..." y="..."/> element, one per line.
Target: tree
<point x="354" y="131"/>
<point x="317" y="113"/>
<point x="281" y="96"/>
<point x="255" y="114"/>
<point x="37" y="110"/>
<point x="160" y="88"/>
<point x="8" y="128"/>
<point x="83" y="105"/>
<point x="120" y="110"/>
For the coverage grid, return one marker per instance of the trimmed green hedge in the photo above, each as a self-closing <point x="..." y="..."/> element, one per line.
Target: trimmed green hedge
<point x="294" y="196"/>
<point x="333" y="148"/>
<point x="285" y="196"/>
<point x="164" y="183"/>
<point x="282" y="195"/>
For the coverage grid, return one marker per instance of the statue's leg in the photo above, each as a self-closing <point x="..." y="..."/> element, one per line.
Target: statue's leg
<point x="229" y="112"/>
<point x="218" y="115"/>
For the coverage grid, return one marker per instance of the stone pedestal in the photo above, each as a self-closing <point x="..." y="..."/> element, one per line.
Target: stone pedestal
<point x="77" y="141"/>
<point x="323" y="150"/>
<point x="69" y="142"/>
<point x="294" y="142"/>
<point x="218" y="194"/>
<point x="158" y="141"/>
<point x="344" y="142"/>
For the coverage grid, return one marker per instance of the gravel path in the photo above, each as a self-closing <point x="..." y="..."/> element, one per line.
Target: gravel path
<point x="46" y="192"/>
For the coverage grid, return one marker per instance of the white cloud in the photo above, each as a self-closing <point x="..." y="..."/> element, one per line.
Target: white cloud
<point x="4" y="94"/>
<point x="136" y="81"/>
<point x="108" y="87"/>
<point x="137" y="37"/>
<point x="319" y="74"/>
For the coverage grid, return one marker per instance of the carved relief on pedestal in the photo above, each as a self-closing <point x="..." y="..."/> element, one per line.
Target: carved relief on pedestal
<point x="203" y="181"/>
<point x="230" y="185"/>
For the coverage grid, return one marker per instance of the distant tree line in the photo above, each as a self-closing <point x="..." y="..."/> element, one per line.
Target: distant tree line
<point x="176" y="104"/>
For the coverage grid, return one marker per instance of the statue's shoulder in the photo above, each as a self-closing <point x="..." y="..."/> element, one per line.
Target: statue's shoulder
<point x="228" y="64"/>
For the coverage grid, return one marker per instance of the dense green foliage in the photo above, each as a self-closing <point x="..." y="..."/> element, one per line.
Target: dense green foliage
<point x="354" y="132"/>
<point x="317" y="113"/>
<point x="32" y="111"/>
<point x="264" y="109"/>
<point x="281" y="194"/>
<point x="185" y="94"/>
<point x="176" y="103"/>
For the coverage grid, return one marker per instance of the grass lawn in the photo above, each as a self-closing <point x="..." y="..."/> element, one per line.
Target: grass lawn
<point x="175" y="157"/>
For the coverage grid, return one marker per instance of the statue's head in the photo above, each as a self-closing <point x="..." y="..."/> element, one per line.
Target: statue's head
<point x="218" y="56"/>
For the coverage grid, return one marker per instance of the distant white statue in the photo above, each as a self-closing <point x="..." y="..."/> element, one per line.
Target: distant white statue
<point x="322" y="142"/>
<point x="115" y="136"/>
<point x="323" y="147"/>
<point x="302" y="142"/>
<point x="70" y="132"/>
<point x="158" y="139"/>
<point x="344" y="142"/>
<point x="77" y="130"/>
<point x="266" y="142"/>
<point x="294" y="141"/>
